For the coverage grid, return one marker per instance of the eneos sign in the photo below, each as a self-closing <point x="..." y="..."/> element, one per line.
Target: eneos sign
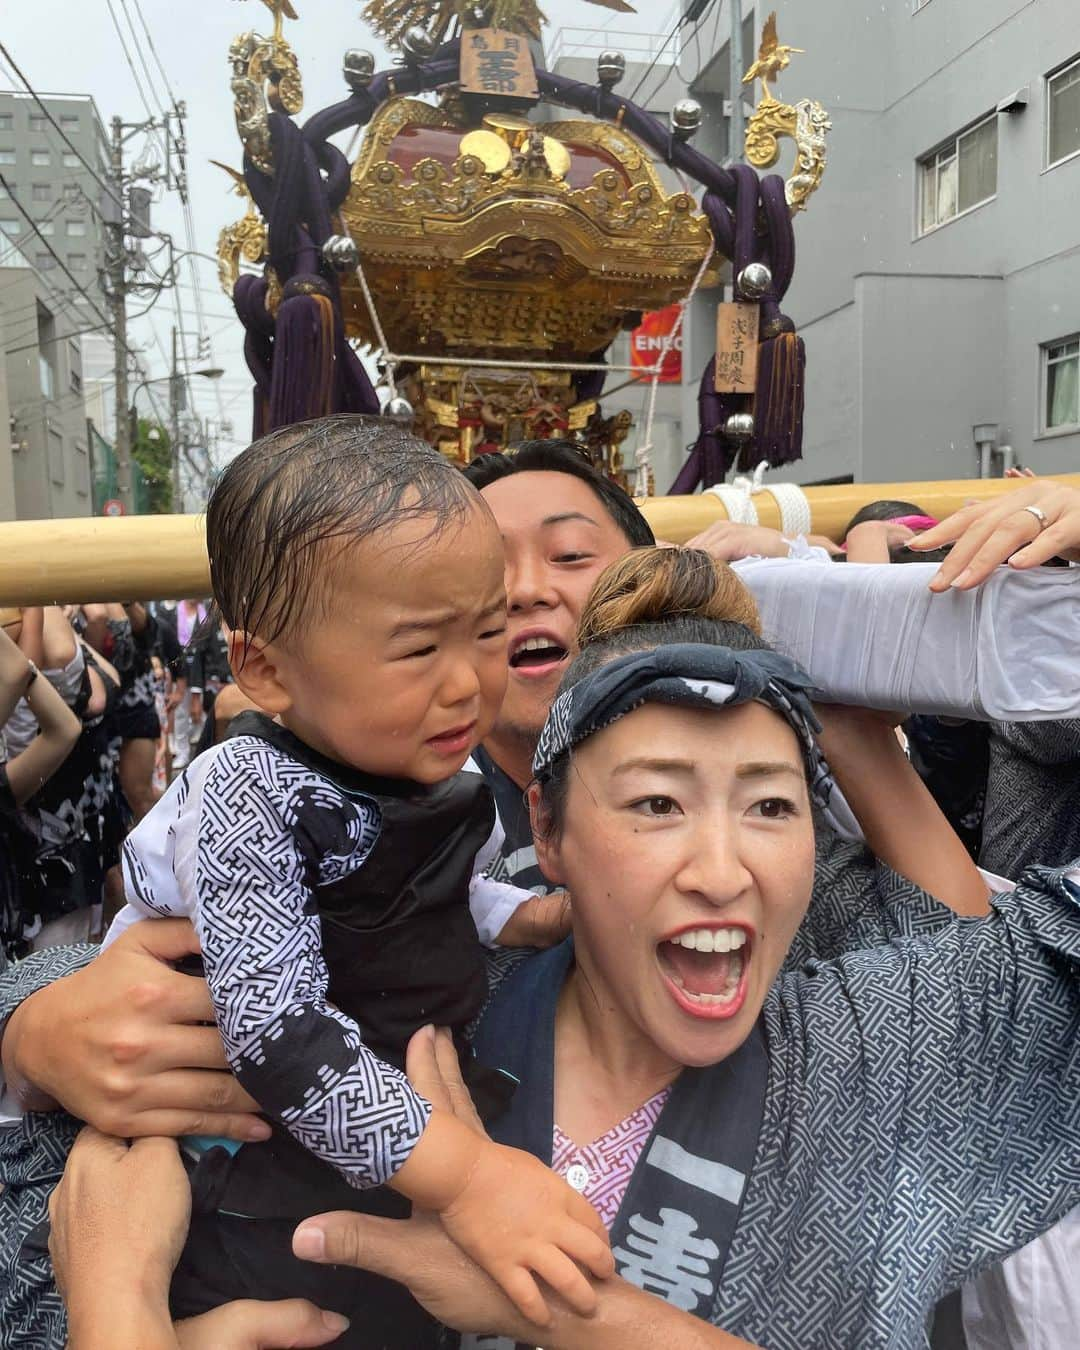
<point x="647" y="344"/>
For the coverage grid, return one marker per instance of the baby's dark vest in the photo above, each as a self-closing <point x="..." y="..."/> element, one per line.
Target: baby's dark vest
<point x="398" y="938"/>
<point x="401" y="949"/>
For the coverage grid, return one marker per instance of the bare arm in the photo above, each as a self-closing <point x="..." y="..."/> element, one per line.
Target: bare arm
<point x="903" y="825"/>
<point x="60" y="729"/>
<point x="31" y="637"/>
<point x="137" y="614"/>
<point x="59" y="640"/>
<point x="97" y="624"/>
<point x="15" y="672"/>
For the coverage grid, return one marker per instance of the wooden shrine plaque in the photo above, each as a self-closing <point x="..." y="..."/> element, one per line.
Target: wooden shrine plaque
<point x="494" y="61"/>
<point x="737" y="348"/>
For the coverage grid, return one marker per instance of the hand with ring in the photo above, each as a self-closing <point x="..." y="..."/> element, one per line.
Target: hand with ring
<point x="1023" y="528"/>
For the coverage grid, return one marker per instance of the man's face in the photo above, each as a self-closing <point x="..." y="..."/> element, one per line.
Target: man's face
<point x="558" y="538"/>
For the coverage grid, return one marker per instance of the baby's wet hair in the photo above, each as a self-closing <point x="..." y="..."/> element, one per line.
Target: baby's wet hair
<point x="287" y="507"/>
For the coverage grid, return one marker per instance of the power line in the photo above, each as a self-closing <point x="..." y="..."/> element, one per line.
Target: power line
<point x="674" y="32"/>
<point x="153" y="52"/>
<point x="142" y="59"/>
<point x="49" y="248"/>
<point x="60" y="131"/>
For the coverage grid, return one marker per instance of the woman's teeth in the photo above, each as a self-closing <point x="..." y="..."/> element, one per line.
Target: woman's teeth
<point x="707" y="1000"/>
<point x="706" y="964"/>
<point x="710" y="939"/>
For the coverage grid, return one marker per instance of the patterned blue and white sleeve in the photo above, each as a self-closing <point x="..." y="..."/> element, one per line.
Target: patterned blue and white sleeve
<point x="492" y="903"/>
<point x="937" y="1078"/>
<point x="265" y="832"/>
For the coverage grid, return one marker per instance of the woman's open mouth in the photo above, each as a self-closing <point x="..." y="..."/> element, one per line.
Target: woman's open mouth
<point x="705" y="969"/>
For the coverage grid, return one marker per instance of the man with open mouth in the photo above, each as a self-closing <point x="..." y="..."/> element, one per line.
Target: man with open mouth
<point x="562" y="523"/>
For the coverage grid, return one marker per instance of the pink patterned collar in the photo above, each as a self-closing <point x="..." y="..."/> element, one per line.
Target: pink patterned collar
<point x="601" y="1171"/>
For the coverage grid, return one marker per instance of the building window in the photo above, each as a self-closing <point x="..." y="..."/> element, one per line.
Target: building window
<point x="10" y="227"/>
<point x="82" y="469"/>
<point x="1063" y="114"/>
<point x="40" y="159"/>
<point x="41" y="192"/>
<point x="47" y="377"/>
<point x="1061" y="384"/>
<point x="46" y="227"/>
<point x="39" y="122"/>
<point x="70" y="161"/>
<point x="56" y="457"/>
<point x="7" y="156"/>
<point x="76" y="229"/>
<point x="69" y="122"/>
<point x="7" y="122"/>
<point x="77" y="262"/>
<point x="44" y="262"/>
<point x="959" y="176"/>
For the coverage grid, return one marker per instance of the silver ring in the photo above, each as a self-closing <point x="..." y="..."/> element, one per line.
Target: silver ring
<point x="1039" y="515"/>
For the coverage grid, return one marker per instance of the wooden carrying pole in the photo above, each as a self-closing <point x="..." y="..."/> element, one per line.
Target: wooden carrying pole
<point x="48" y="562"/>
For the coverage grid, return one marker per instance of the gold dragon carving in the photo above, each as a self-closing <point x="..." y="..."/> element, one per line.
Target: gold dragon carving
<point x="266" y="77"/>
<point x="806" y="123"/>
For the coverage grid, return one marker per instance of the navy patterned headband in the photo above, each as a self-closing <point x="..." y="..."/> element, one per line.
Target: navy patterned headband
<point x="696" y="676"/>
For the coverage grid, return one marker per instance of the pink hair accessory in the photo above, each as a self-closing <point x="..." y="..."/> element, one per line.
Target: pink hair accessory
<point x="917" y="523"/>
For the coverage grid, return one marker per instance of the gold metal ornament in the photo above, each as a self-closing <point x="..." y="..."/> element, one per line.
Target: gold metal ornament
<point x="772" y="58"/>
<point x="545" y="249"/>
<point x="806" y="123"/>
<point x="266" y="76"/>
<point x="392" y="19"/>
<point x="246" y="239"/>
<point x="491" y="150"/>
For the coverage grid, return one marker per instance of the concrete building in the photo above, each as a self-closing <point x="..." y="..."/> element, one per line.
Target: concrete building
<point x="44" y="448"/>
<point x="40" y="161"/>
<point x="938" y="275"/>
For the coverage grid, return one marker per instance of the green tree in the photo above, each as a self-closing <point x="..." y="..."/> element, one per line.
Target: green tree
<point x="152" y="452"/>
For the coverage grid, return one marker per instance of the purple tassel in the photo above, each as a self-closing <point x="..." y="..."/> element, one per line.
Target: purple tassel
<point x="303" y="369"/>
<point x="778" y="402"/>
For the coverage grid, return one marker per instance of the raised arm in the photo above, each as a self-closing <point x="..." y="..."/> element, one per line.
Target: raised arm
<point x="60" y="729"/>
<point x="903" y="825"/>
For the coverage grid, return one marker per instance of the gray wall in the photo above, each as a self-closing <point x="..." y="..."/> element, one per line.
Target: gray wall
<point x="911" y="340"/>
<point x="51" y="476"/>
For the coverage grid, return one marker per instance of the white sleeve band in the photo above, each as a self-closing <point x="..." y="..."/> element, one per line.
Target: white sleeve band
<point x="877" y="637"/>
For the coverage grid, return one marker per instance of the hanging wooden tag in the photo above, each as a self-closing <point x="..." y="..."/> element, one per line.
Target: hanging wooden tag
<point x="497" y="62"/>
<point x="737" y="348"/>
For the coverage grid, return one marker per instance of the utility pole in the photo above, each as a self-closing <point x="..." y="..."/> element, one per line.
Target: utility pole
<point x="125" y="210"/>
<point x="116" y="266"/>
<point x="175" y="392"/>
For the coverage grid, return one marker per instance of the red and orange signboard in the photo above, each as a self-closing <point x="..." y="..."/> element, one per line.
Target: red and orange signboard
<point x="647" y="344"/>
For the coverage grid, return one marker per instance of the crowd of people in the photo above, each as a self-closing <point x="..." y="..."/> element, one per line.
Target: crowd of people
<point x="100" y="706"/>
<point x="540" y="896"/>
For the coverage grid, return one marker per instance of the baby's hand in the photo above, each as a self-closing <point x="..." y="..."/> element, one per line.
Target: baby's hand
<point x="542" y="921"/>
<point x="517" y="1219"/>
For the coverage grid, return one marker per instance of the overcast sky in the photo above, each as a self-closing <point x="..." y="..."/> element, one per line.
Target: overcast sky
<point x="68" y="47"/>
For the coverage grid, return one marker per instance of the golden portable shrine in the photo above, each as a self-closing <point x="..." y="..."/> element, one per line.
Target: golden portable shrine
<point x="487" y="254"/>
